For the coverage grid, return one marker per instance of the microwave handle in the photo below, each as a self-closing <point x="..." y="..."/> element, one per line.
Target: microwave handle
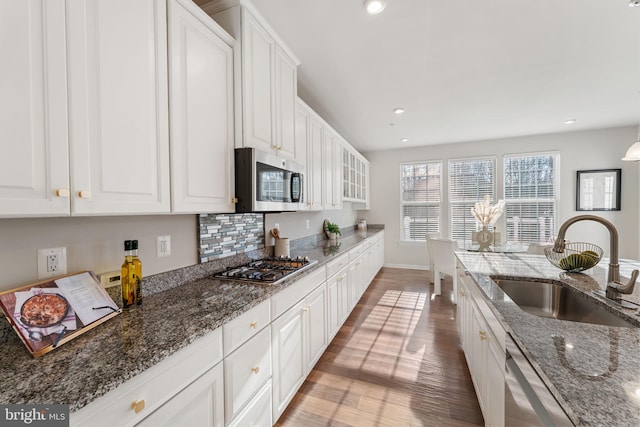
<point x="291" y="186"/>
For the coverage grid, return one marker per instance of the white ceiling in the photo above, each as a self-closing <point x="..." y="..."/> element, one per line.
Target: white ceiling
<point x="465" y="70"/>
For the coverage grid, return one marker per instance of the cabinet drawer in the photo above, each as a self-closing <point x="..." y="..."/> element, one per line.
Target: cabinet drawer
<point x="356" y="252"/>
<point x="243" y="327"/>
<point x="283" y="301"/>
<point x="153" y="387"/>
<point x="245" y="371"/>
<point x="337" y="264"/>
<point x="258" y="411"/>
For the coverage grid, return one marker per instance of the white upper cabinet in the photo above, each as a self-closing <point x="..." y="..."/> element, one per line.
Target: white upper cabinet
<point x="266" y="80"/>
<point x="118" y="106"/>
<point x="355" y="177"/>
<point x="84" y="108"/>
<point x="201" y="111"/>
<point x="308" y="141"/>
<point x="332" y="178"/>
<point x="34" y="167"/>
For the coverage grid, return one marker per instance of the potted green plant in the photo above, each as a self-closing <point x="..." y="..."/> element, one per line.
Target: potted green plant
<point x="332" y="230"/>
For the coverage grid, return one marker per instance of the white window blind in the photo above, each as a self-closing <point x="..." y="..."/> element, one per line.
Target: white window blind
<point x="530" y="195"/>
<point x="470" y="180"/>
<point x="421" y="191"/>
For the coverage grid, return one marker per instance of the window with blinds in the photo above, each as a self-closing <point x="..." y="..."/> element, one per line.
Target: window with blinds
<point x="470" y="180"/>
<point x="421" y="192"/>
<point x="530" y="183"/>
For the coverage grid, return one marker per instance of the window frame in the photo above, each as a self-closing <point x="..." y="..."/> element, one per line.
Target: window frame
<point x="403" y="240"/>
<point x="556" y="189"/>
<point x="451" y="202"/>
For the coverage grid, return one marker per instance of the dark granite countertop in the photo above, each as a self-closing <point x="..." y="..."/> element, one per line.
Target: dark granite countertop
<point x="105" y="357"/>
<point x="592" y="370"/>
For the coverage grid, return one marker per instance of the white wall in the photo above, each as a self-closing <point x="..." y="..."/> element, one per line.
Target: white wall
<point x="597" y="149"/>
<point x="94" y="243"/>
<point x="293" y="224"/>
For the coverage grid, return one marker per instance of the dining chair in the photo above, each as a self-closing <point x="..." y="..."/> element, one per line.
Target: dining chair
<point x="443" y="261"/>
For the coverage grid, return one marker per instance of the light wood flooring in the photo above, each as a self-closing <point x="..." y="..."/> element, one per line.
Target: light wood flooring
<point x="397" y="361"/>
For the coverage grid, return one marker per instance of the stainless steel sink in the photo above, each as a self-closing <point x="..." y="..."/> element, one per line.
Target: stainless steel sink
<point x="547" y="299"/>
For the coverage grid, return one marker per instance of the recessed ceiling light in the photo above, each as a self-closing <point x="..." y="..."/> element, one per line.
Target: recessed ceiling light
<point x="569" y="121"/>
<point x="374" y="6"/>
<point x="634" y="3"/>
<point x="400" y="110"/>
<point x="404" y="139"/>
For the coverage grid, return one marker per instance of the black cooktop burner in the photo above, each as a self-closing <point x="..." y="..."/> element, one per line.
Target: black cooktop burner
<point x="267" y="270"/>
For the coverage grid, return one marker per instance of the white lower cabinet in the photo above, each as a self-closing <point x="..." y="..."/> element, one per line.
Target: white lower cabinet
<point x="257" y="413"/>
<point x="246" y="370"/>
<point x="200" y="404"/>
<point x="149" y="391"/>
<point x="298" y="339"/>
<point x="483" y="343"/>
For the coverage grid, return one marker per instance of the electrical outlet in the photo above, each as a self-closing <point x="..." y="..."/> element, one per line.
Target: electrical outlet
<point x="307" y="224"/>
<point x="163" y="246"/>
<point x="52" y="262"/>
<point x="276" y="226"/>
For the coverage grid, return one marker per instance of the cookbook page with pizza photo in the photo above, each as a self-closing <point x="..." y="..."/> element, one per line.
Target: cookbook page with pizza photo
<point x="47" y="314"/>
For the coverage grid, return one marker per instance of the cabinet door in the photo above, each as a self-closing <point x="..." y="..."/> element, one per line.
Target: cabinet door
<point x="285" y="105"/>
<point x="201" y="105"/>
<point x="289" y="368"/>
<point x="315" y="323"/>
<point x="257" y="58"/>
<point x="33" y="109"/>
<point x="199" y="404"/>
<point x="315" y="165"/>
<point x="118" y="106"/>
<point x="328" y="171"/>
<point x="302" y="136"/>
<point x="478" y="356"/>
<point x="333" y="306"/>
<point x="495" y="368"/>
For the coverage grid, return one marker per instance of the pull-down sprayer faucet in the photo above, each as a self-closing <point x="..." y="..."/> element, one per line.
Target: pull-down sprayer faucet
<point x="614" y="287"/>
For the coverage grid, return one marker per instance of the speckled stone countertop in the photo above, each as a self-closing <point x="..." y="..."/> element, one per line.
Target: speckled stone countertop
<point x="105" y="357"/>
<point x="596" y="379"/>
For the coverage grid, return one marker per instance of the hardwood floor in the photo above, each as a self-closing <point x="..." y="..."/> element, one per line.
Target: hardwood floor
<point x="396" y="361"/>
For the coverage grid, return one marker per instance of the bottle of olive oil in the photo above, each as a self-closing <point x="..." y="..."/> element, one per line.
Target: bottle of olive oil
<point x="127" y="278"/>
<point x="137" y="268"/>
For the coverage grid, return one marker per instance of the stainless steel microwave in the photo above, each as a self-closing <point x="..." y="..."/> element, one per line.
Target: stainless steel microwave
<point x="267" y="183"/>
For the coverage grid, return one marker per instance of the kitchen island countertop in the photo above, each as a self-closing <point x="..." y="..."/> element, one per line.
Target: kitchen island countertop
<point x="105" y="357"/>
<point x="596" y="379"/>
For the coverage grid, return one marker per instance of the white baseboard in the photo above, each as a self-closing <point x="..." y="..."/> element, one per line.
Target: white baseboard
<point x="407" y="266"/>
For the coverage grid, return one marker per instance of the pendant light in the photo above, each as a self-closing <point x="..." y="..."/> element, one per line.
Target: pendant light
<point x="374" y="7"/>
<point x="633" y="153"/>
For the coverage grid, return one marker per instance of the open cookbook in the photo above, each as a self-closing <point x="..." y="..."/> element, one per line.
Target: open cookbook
<point x="47" y="314"/>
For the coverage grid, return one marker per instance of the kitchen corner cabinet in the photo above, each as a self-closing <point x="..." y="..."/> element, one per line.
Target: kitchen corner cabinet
<point x="483" y="342"/>
<point x="201" y="111"/>
<point x="91" y="135"/>
<point x="266" y="80"/>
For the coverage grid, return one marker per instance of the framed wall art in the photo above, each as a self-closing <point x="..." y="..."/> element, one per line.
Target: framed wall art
<point x="598" y="190"/>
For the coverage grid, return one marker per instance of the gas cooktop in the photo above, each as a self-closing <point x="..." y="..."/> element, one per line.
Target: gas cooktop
<point x="267" y="270"/>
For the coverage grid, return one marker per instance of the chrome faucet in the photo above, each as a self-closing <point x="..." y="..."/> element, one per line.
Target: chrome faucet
<point x="614" y="287"/>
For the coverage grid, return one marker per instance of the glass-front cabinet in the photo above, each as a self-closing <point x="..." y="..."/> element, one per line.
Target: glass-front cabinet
<point x="355" y="176"/>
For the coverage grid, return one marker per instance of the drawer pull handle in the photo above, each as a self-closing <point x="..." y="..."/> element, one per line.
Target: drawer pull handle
<point x="255" y="370"/>
<point x="306" y="308"/>
<point x="63" y="192"/>
<point x="84" y="194"/>
<point x="137" y="406"/>
<point x="253" y="325"/>
<point x="483" y="336"/>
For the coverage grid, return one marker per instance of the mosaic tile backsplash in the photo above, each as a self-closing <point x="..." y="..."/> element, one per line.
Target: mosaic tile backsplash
<point x="225" y="235"/>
